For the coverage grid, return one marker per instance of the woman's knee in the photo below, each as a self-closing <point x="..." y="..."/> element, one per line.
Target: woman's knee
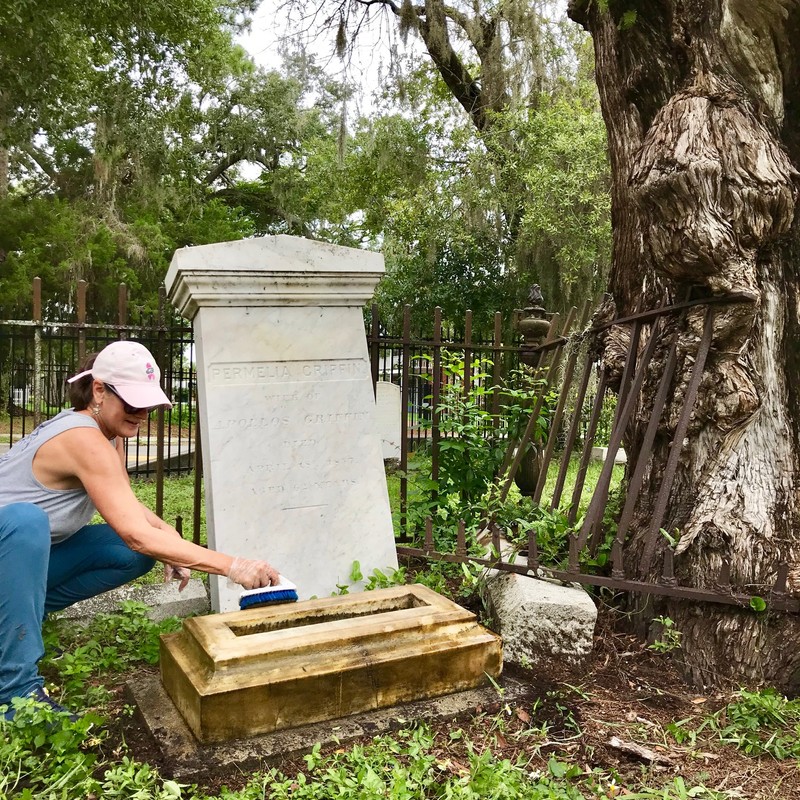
<point x="132" y="564"/>
<point x="109" y="551"/>
<point x="139" y="564"/>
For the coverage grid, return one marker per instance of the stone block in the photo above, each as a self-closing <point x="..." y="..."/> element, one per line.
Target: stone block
<point x="388" y="410"/>
<point x="541" y="620"/>
<point x="277" y="667"/>
<point x="601" y="454"/>
<point x="164" y="600"/>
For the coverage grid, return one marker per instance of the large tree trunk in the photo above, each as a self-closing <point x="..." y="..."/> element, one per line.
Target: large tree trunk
<point x="702" y="104"/>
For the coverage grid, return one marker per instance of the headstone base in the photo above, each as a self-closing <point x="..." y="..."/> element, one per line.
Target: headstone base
<point x="266" y="669"/>
<point x="182" y="758"/>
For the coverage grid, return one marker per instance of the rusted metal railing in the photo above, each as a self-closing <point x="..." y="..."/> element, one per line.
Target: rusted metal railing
<point x="588" y="538"/>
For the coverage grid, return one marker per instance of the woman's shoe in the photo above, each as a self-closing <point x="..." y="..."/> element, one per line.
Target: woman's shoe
<point x="39" y="694"/>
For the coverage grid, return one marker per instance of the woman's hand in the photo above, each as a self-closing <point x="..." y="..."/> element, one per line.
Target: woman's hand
<point x="252" y="574"/>
<point x="182" y="574"/>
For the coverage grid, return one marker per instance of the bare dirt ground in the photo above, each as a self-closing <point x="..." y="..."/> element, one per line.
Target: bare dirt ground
<point x="611" y="715"/>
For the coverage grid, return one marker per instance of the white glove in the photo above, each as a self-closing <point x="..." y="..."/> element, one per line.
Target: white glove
<point x="251" y="573"/>
<point x="182" y="574"/>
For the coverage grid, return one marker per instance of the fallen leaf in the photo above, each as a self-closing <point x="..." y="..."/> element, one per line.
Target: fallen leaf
<point x="699" y="700"/>
<point x="523" y="715"/>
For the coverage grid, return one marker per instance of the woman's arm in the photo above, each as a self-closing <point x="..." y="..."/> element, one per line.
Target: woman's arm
<point x="171" y="571"/>
<point x="85" y="454"/>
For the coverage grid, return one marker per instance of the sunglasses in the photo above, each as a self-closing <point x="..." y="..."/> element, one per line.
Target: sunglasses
<point x="129" y="409"/>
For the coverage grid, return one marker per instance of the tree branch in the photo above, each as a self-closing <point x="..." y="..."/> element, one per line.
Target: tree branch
<point x="432" y="17"/>
<point x="225" y="164"/>
<point x="40" y="158"/>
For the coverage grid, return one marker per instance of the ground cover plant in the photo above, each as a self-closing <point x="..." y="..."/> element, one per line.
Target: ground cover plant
<point x="463" y="488"/>
<point x="624" y="724"/>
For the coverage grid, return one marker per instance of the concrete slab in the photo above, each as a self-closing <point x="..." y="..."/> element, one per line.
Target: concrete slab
<point x="186" y="759"/>
<point x="164" y="600"/>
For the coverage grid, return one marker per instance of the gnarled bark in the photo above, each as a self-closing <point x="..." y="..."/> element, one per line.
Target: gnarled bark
<point x="701" y="102"/>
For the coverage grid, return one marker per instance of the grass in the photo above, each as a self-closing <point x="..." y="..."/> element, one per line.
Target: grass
<point x="178" y="501"/>
<point x="593" y="471"/>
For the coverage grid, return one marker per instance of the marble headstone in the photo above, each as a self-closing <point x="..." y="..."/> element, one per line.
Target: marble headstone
<point x="388" y="406"/>
<point x="291" y="455"/>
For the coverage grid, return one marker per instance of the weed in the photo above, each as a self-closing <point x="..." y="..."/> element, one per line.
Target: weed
<point x="75" y="655"/>
<point x="378" y="579"/>
<point x="472" y="442"/>
<point x="670" y="638"/>
<point x="40" y="749"/>
<point x="757" y="723"/>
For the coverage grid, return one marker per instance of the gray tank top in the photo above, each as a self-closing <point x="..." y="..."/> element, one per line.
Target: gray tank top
<point x="68" y="509"/>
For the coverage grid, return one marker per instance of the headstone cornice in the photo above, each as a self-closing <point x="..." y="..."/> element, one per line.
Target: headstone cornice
<point x="271" y="271"/>
<point x="190" y="290"/>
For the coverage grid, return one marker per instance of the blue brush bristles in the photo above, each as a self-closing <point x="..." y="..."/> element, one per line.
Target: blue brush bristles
<point x="282" y="592"/>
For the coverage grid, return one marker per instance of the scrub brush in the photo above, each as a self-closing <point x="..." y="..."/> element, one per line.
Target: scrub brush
<point x="282" y="592"/>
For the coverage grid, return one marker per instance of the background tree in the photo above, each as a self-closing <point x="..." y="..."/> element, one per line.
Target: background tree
<point x="508" y="78"/>
<point x="701" y="104"/>
<point x="132" y="151"/>
<point x="51" y="61"/>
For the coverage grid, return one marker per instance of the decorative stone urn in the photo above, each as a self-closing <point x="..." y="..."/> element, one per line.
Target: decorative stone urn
<point x="533" y="324"/>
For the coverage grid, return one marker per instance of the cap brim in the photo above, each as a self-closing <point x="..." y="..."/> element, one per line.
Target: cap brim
<point x="141" y="395"/>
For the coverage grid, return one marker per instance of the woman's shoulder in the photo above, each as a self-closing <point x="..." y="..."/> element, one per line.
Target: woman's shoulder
<point x="66" y="420"/>
<point x="70" y="418"/>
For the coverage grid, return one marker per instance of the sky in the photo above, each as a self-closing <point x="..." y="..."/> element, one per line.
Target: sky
<point x="272" y="25"/>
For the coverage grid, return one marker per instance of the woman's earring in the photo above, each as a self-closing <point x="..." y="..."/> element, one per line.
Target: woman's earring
<point x="96" y="410"/>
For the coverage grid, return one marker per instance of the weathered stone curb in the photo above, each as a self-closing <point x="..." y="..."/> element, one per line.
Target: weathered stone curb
<point x="164" y="601"/>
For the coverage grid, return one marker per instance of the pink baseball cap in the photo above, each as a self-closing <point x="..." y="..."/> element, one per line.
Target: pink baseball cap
<point x="131" y="369"/>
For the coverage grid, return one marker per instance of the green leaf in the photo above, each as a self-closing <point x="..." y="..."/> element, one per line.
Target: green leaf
<point x="557" y="768"/>
<point x="758" y="604"/>
<point x="628" y="20"/>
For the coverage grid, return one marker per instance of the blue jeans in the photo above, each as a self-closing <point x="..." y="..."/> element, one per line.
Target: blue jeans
<point x="37" y="578"/>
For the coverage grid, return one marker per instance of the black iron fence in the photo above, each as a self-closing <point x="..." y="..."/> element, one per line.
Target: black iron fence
<point x="36" y="357"/>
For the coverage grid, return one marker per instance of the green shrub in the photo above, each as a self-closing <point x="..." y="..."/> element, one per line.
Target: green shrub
<point x="758" y="723"/>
